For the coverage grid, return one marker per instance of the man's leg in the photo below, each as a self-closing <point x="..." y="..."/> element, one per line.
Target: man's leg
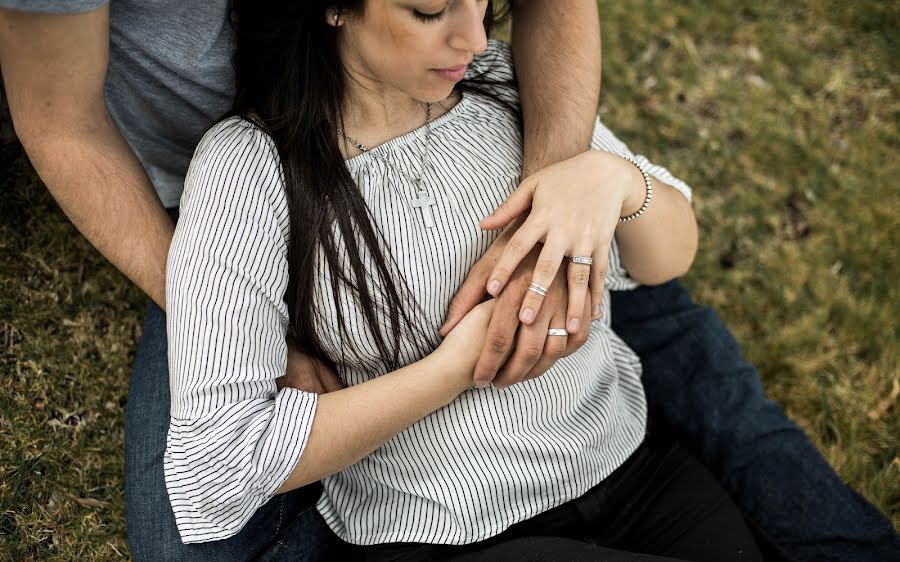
<point x="697" y="382"/>
<point x="286" y="528"/>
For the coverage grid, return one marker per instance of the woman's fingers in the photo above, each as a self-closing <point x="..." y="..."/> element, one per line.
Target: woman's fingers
<point x="544" y="272"/>
<point x="518" y="247"/>
<point x="578" y="277"/>
<point x="517" y="203"/>
<point x="598" y="279"/>
<point x="472" y="291"/>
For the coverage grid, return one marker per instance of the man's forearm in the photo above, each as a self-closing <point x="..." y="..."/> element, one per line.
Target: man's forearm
<point x="54" y="69"/>
<point x="99" y="183"/>
<point x="556" y="47"/>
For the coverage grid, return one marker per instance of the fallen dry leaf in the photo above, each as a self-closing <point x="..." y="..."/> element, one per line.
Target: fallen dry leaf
<point x="90" y="502"/>
<point x="888" y="401"/>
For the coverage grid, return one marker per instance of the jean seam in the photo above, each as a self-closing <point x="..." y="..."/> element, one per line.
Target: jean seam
<point x="280" y="516"/>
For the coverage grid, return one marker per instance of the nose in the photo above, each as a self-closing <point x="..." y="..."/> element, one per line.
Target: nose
<point x="468" y="35"/>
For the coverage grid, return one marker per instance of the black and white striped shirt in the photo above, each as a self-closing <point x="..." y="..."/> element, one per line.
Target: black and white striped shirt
<point x="466" y="472"/>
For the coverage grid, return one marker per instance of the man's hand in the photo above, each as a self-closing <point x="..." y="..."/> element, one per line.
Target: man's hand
<point x="307" y="374"/>
<point x="534" y="351"/>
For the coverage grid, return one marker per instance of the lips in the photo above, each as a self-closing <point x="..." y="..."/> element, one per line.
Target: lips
<point x="452" y="74"/>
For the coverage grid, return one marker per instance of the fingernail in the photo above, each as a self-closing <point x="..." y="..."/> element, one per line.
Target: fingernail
<point x="573" y="324"/>
<point x="494" y="287"/>
<point x="595" y="312"/>
<point x="481" y="384"/>
<point x="527" y="315"/>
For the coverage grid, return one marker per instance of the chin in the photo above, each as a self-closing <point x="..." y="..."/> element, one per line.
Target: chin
<point x="430" y="88"/>
<point x="437" y="94"/>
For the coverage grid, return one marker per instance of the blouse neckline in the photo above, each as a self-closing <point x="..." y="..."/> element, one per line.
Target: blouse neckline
<point x="415" y="134"/>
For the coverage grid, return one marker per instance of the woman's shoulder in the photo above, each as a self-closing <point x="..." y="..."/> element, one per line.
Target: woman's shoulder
<point x="234" y="160"/>
<point x="233" y="133"/>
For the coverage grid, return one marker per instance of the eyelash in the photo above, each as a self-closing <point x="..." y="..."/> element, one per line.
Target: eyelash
<point x="429" y="17"/>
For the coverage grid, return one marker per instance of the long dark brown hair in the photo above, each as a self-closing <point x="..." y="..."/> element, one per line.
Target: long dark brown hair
<point x="291" y="82"/>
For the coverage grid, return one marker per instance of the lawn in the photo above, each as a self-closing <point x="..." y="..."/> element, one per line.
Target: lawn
<point x="783" y="116"/>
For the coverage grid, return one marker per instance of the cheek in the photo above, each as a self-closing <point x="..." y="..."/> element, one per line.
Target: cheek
<point x="397" y="54"/>
<point x="415" y="56"/>
<point x="417" y="51"/>
<point x="410" y="61"/>
<point x="404" y="59"/>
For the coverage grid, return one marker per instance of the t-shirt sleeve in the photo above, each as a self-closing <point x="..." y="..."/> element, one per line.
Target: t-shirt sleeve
<point x="617" y="278"/>
<point x="233" y="437"/>
<point x="53" y="6"/>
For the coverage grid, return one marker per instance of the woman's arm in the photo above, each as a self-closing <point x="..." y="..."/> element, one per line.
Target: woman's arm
<point x="353" y="422"/>
<point x="660" y="245"/>
<point x="234" y="438"/>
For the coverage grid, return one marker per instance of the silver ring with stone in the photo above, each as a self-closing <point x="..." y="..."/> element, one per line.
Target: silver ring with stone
<point x="584" y="260"/>
<point x="557" y="332"/>
<point x="537" y="289"/>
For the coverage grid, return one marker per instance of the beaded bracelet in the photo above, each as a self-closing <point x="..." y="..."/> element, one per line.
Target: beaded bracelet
<point x="649" y="196"/>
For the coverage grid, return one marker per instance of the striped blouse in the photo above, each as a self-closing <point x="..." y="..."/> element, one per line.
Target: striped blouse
<point x="464" y="473"/>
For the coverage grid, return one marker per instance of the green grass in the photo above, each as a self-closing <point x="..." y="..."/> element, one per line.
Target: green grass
<point x="782" y="116"/>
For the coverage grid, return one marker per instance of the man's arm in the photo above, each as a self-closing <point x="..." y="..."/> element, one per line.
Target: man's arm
<point x="54" y="68"/>
<point x="556" y="49"/>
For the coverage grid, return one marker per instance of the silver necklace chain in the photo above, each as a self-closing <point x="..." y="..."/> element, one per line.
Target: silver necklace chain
<point x="424" y="159"/>
<point x="422" y="196"/>
<point x="362" y="147"/>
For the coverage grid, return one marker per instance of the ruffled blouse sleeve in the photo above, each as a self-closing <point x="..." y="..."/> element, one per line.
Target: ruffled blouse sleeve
<point x="233" y="437"/>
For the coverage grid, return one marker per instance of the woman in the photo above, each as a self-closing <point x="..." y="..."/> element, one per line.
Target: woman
<point x="341" y="206"/>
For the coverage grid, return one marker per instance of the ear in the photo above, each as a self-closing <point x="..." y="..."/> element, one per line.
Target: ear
<point x="333" y="17"/>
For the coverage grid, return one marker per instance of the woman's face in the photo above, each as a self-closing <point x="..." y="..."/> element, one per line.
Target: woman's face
<point x="417" y="47"/>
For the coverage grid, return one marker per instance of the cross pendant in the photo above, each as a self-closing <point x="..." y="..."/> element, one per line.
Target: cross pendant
<point x="425" y="202"/>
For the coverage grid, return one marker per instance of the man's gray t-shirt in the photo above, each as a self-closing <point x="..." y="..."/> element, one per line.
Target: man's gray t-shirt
<point x="169" y="77"/>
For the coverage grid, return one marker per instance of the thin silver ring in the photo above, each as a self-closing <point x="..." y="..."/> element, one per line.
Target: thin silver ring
<point x="585" y="260"/>
<point x="537" y="289"/>
<point x="557" y="332"/>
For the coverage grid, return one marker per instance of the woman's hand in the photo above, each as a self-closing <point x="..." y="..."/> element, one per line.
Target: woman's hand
<point x="462" y="346"/>
<point x="512" y="351"/>
<point x="575" y="208"/>
<point x="307" y="374"/>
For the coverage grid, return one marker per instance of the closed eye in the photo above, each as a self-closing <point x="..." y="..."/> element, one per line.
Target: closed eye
<point x="429" y="17"/>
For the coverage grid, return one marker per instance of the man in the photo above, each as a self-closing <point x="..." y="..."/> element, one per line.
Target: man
<point x="109" y="100"/>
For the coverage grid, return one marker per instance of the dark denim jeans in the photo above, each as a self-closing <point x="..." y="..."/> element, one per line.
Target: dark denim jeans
<point x="696" y="382"/>
<point x="699" y="385"/>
